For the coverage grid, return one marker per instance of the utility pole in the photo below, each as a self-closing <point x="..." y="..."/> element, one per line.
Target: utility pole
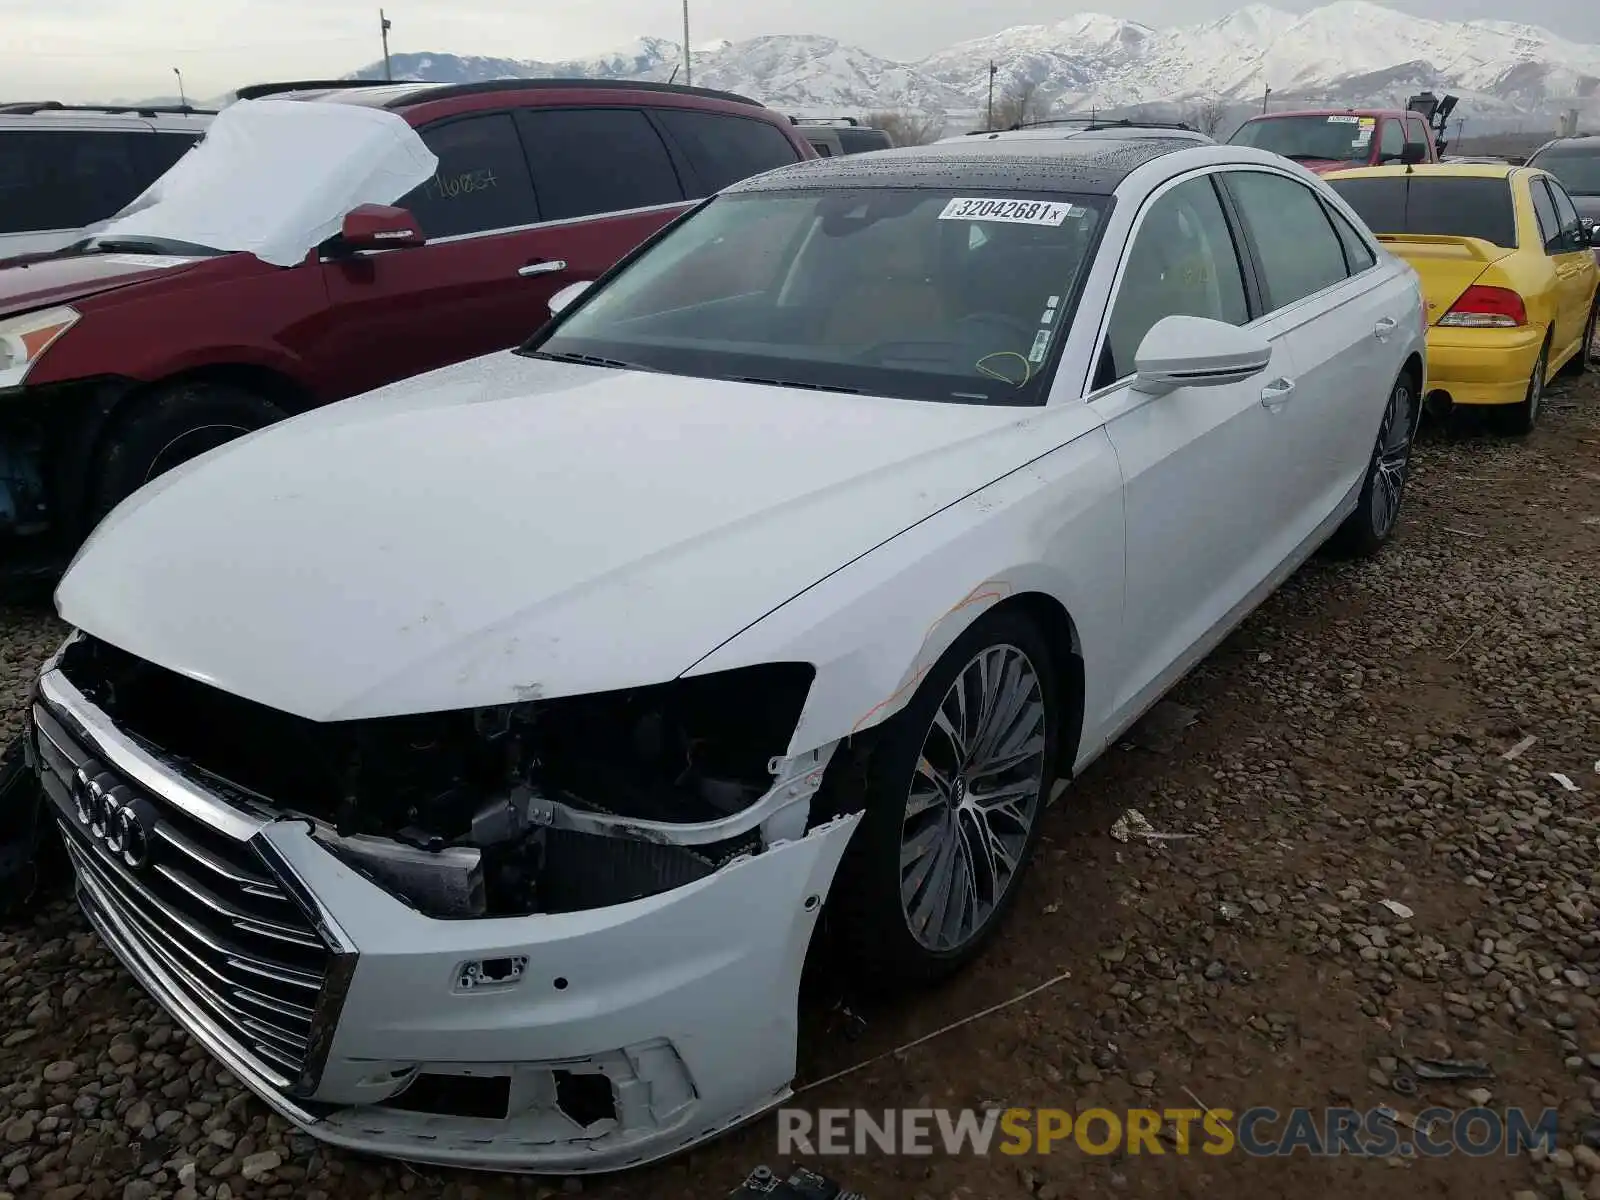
<point x="383" y="31"/>
<point x="992" y="70"/>
<point x="1265" y="96"/>
<point x="688" y="67"/>
<point x="183" y="97"/>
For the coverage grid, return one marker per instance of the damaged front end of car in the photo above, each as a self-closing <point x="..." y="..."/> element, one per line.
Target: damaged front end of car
<point x="562" y="934"/>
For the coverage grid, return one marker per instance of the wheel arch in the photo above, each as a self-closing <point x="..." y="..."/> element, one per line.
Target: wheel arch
<point x="271" y="384"/>
<point x="1413" y="370"/>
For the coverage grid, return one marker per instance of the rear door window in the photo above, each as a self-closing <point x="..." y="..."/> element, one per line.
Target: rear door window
<point x="481" y="183"/>
<point x="1358" y="256"/>
<point x="1567" y="217"/>
<point x="589" y="161"/>
<point x="861" y="141"/>
<point x="1299" y="251"/>
<point x="722" y="150"/>
<point x="1544" y="211"/>
<point x="1433" y="204"/>
<point x="67" y="179"/>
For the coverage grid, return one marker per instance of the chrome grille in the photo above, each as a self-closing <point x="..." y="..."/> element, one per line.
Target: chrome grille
<point x="202" y="906"/>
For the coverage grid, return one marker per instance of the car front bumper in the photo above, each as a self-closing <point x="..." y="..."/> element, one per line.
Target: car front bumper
<point x="556" y="1043"/>
<point x="1482" y="366"/>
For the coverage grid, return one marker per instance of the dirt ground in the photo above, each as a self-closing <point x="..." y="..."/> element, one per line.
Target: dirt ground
<point x="1349" y="747"/>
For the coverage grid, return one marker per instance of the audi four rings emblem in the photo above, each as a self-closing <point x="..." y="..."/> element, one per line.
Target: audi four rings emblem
<point x="114" y="816"/>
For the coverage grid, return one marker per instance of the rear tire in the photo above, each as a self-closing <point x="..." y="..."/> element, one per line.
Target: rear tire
<point x="1518" y="420"/>
<point x="1377" y="512"/>
<point x="166" y="428"/>
<point x="925" y="798"/>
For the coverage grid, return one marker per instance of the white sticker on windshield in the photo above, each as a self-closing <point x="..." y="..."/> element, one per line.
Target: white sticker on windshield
<point x="1041" y="343"/>
<point x="1342" y="119"/>
<point x="1014" y="212"/>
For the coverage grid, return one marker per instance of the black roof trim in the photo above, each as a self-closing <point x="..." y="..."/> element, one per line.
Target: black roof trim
<point x="256" y="91"/>
<point x="448" y="91"/>
<point x="1091" y="124"/>
<point x="28" y="108"/>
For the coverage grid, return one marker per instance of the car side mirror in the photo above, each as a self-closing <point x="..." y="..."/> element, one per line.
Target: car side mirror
<point x="564" y="298"/>
<point x="379" y="227"/>
<point x="1414" y="152"/>
<point x="1594" y="235"/>
<point x="1184" y="351"/>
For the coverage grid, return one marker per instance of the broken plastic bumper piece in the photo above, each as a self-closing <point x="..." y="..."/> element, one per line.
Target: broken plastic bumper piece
<point x="566" y="1042"/>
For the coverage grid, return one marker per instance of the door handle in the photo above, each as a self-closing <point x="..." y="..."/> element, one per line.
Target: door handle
<point x="1276" y="394"/>
<point x="1384" y="328"/>
<point x="548" y="267"/>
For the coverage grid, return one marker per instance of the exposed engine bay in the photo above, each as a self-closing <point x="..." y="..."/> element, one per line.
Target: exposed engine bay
<point x="541" y="806"/>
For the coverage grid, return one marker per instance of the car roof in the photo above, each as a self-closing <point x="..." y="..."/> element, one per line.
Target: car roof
<point x="1456" y="170"/>
<point x="1090" y="165"/>
<point x="383" y="94"/>
<point x="1589" y="141"/>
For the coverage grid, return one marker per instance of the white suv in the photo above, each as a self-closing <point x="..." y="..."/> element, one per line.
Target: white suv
<point x="64" y="168"/>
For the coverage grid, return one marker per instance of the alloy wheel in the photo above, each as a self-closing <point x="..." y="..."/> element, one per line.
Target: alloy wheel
<point x="1393" y="459"/>
<point x="974" y="799"/>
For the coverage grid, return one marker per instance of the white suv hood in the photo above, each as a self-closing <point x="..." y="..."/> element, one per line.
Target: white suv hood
<point x="511" y="528"/>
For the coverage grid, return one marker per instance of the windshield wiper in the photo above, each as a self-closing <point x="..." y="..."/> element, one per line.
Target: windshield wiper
<point x="789" y="383"/>
<point x="1310" y="158"/>
<point x="587" y="360"/>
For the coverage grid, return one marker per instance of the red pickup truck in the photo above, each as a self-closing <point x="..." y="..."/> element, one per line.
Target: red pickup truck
<point x="1327" y="139"/>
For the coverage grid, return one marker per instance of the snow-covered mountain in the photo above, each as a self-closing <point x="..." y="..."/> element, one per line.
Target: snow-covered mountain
<point x="1349" y="52"/>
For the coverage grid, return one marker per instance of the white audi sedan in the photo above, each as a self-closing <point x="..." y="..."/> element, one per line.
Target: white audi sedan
<point x="470" y="766"/>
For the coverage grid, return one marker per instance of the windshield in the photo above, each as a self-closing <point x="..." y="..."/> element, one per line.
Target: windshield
<point x="919" y="294"/>
<point x="1340" y="137"/>
<point x="275" y="178"/>
<point x="1433" y="204"/>
<point x="1578" y="167"/>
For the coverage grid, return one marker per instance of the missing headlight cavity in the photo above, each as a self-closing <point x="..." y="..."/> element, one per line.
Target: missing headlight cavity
<point x="540" y="806"/>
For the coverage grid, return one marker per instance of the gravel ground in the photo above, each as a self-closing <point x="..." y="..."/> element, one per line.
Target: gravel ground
<point x="1350" y="748"/>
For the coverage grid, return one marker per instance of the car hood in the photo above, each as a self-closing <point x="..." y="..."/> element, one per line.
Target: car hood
<point x="42" y="282"/>
<point x="510" y="528"/>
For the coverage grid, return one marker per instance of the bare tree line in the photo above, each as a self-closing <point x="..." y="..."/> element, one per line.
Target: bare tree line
<point x="1025" y="101"/>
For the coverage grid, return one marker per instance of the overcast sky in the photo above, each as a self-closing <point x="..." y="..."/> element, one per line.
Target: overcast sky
<point x="97" y="49"/>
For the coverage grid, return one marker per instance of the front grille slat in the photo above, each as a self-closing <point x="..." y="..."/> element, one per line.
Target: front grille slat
<point x="177" y="962"/>
<point x="208" y="911"/>
<point x="240" y="920"/>
<point x="253" y="884"/>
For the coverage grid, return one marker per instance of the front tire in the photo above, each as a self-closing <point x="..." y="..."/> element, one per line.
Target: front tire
<point x="954" y="792"/>
<point x="1377" y="512"/>
<point x="166" y="428"/>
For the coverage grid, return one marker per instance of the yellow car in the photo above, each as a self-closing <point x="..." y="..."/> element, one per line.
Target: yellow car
<point x="1508" y="270"/>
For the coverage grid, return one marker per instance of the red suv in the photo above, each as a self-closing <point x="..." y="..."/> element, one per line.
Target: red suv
<point x="122" y="359"/>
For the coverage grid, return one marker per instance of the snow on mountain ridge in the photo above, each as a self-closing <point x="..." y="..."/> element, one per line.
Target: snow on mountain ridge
<point x="1347" y="52"/>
